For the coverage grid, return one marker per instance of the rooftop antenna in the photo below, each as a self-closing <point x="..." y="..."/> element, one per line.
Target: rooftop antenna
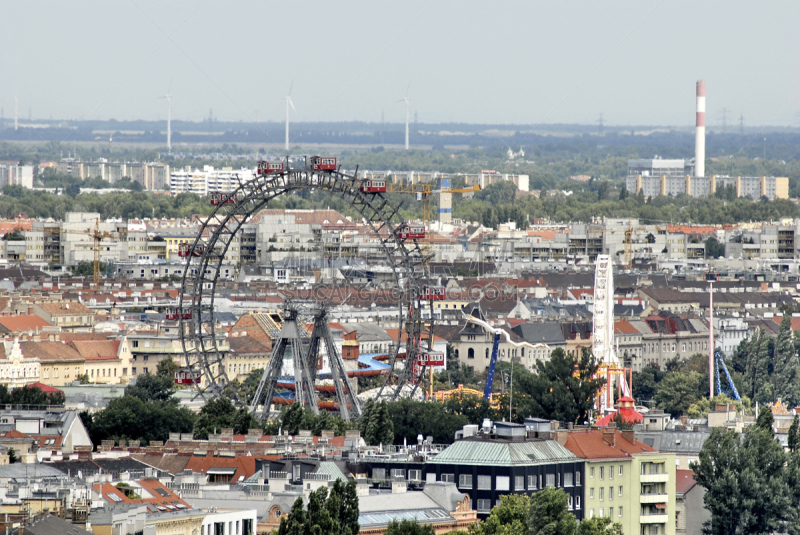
<point x="406" y="100"/>
<point x="169" y="118"/>
<point x="289" y="103"/>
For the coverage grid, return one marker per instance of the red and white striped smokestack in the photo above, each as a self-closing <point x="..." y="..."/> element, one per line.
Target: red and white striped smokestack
<point x="700" y="132"/>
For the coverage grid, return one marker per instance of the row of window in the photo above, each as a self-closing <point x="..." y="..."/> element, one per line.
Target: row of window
<point x="484" y="506"/>
<point x="611" y="512"/>
<point x="602" y="471"/>
<point x="501" y="483"/>
<point x="693" y="346"/>
<point x="602" y="493"/>
<point x="504" y="482"/>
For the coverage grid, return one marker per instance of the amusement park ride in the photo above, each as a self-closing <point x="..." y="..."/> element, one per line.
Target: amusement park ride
<point x="618" y="379"/>
<point x="402" y="244"/>
<point x="411" y="353"/>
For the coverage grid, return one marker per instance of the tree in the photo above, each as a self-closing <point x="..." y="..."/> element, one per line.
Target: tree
<point x="603" y="190"/>
<point x="12" y="456"/>
<point x="379" y="428"/>
<point x="129" y="417"/>
<point x="599" y="526"/>
<point x="765" y="419"/>
<point x="794" y="434"/>
<point x="747" y="483"/>
<point x="508" y="518"/>
<point x="408" y="527"/>
<point x="645" y="383"/>
<point x="167" y="368"/>
<point x="785" y="376"/>
<point x="151" y="387"/>
<point x="411" y="418"/>
<point x="32" y="395"/>
<point x="678" y="391"/>
<point x="334" y="513"/>
<point x="620" y="422"/>
<point x="714" y="249"/>
<point x="549" y="515"/>
<point x="563" y="387"/>
<point x="757" y="368"/>
<point x="221" y="413"/>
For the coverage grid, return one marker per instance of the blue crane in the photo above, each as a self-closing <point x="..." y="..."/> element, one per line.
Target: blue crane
<point x="487" y="390"/>
<point x="730" y="391"/>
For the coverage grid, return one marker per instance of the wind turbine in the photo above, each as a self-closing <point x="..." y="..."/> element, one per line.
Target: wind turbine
<point x="169" y="118"/>
<point x="406" y="100"/>
<point x="289" y="103"/>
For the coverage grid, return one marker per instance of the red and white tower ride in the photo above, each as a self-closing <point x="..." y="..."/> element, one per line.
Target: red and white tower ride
<point x="603" y="347"/>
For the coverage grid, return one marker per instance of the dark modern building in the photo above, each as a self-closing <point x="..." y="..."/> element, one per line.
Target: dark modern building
<point x="505" y="461"/>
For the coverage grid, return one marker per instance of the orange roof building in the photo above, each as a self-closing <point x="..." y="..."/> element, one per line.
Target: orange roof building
<point x="625" y="479"/>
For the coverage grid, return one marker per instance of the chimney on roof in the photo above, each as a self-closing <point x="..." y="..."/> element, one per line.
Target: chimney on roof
<point x="610" y="437"/>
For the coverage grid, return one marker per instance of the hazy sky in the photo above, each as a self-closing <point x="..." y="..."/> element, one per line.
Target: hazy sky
<point x="636" y="62"/>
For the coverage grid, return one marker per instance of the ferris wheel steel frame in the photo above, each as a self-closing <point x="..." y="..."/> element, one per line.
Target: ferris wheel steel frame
<point x="200" y="342"/>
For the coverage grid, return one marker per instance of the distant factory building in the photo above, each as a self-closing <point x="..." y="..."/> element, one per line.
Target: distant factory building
<point x="675" y="177"/>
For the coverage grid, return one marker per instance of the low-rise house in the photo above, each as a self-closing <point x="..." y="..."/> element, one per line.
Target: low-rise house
<point x="59" y="364"/>
<point x="438" y="504"/>
<point x="106" y="361"/>
<point x="690" y="511"/>
<point x="66" y="315"/>
<point x="54" y="430"/>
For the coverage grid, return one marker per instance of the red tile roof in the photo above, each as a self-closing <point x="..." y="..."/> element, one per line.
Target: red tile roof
<point x="161" y="495"/>
<point x="96" y="349"/>
<point x="47" y="389"/>
<point x="14" y="434"/>
<point x="23" y="322"/>
<point x="245" y="466"/>
<point x="684" y="481"/>
<point x="590" y="444"/>
<point x="624" y="327"/>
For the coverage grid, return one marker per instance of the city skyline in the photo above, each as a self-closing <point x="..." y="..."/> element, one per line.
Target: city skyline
<point x="466" y="63"/>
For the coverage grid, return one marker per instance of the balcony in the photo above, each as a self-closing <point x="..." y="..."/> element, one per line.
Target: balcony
<point x="653" y="498"/>
<point x="654" y="519"/>
<point x="653" y="478"/>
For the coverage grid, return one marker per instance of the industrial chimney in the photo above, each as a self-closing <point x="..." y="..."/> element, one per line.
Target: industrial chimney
<point x="700" y="132"/>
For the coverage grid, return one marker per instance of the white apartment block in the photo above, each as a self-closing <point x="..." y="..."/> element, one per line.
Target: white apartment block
<point x="152" y="176"/>
<point x="208" y="180"/>
<point x="16" y="175"/>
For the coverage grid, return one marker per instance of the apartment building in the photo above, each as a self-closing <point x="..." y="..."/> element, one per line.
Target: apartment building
<point x="503" y="461"/>
<point x="16" y="175"/>
<point x="152" y="176"/>
<point x="148" y="348"/>
<point x="666" y="337"/>
<point x="664" y="177"/>
<point x="16" y="368"/>
<point x="626" y="480"/>
<point x="207" y="180"/>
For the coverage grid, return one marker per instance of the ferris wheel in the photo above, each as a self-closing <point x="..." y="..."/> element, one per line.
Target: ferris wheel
<point x="399" y="243"/>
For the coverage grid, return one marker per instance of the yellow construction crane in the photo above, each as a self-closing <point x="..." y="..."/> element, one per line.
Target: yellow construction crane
<point x="97" y="237"/>
<point x="423" y="192"/>
<point x="628" y="242"/>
